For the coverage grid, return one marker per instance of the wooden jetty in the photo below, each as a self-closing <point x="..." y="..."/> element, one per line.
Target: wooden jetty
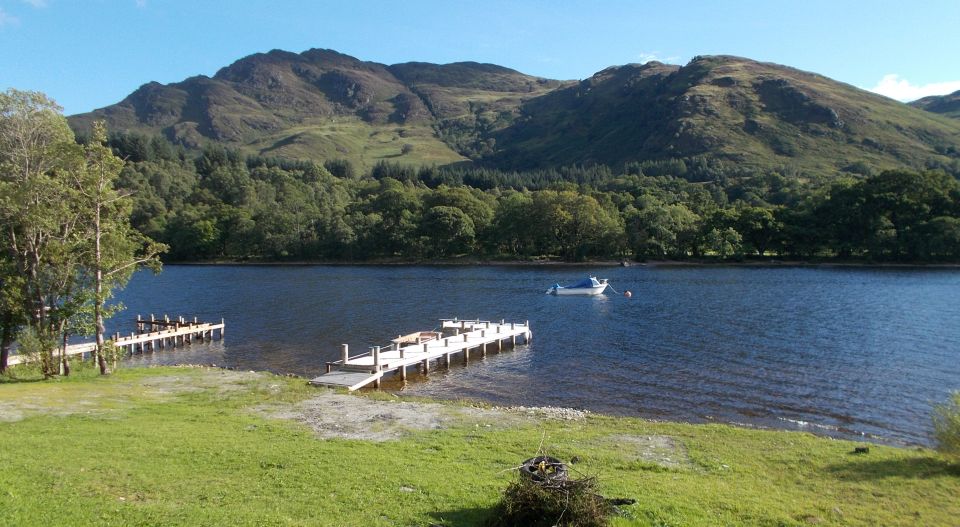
<point x="420" y="349"/>
<point x="151" y="335"/>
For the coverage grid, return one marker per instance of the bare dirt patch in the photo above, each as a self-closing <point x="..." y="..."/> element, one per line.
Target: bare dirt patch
<point x="223" y="381"/>
<point x="659" y="450"/>
<point x="337" y="415"/>
<point x="63" y="399"/>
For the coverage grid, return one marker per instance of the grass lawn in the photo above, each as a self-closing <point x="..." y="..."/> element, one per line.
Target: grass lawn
<point x="190" y="446"/>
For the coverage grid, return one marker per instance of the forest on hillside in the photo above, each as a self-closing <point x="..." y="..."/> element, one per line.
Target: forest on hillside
<point x="221" y="205"/>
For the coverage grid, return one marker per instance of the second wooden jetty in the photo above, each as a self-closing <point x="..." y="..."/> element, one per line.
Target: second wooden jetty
<point x="456" y="337"/>
<point x="151" y="335"/>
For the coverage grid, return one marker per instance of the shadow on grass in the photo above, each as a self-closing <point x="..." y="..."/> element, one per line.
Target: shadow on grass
<point x="474" y="517"/>
<point x="916" y="468"/>
<point x="8" y="380"/>
<point x="12" y="378"/>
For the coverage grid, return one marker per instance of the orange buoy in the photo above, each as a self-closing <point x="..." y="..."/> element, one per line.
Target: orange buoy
<point x="627" y="294"/>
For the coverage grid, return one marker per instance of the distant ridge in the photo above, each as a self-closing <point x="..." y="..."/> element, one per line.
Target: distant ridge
<point x="321" y="104"/>
<point x="948" y="105"/>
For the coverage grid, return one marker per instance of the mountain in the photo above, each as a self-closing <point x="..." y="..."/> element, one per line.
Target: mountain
<point x="948" y="105"/>
<point x="321" y="104"/>
<point x="726" y="108"/>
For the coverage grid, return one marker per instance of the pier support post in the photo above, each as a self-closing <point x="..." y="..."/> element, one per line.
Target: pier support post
<point x="466" y="355"/>
<point x="403" y="373"/>
<point x="344" y="353"/>
<point x="376" y="366"/>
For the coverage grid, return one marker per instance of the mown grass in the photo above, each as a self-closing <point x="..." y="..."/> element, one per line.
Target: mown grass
<point x="142" y="453"/>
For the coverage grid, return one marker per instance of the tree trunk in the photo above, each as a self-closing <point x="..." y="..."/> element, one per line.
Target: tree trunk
<point x="64" y="361"/>
<point x="98" y="295"/>
<point x="6" y="340"/>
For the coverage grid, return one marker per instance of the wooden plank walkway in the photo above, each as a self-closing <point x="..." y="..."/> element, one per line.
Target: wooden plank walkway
<point x="457" y="337"/>
<point x="179" y="332"/>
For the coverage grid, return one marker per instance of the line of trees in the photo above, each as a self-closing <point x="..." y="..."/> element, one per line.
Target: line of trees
<point x="222" y="205"/>
<point x="67" y="242"/>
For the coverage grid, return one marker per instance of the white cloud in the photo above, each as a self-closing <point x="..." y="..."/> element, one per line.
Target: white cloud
<point x="894" y="87"/>
<point x="36" y="3"/>
<point x="7" y="19"/>
<point x="644" y="57"/>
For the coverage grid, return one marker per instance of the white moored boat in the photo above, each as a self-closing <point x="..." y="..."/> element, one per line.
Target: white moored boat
<point x="588" y="287"/>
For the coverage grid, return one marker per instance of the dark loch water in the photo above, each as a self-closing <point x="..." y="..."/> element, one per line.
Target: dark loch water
<point x="847" y="352"/>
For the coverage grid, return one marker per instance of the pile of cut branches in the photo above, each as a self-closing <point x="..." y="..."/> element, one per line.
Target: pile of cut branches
<point x="544" y="495"/>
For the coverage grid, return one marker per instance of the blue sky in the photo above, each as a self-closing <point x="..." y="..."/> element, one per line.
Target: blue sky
<point x="87" y="54"/>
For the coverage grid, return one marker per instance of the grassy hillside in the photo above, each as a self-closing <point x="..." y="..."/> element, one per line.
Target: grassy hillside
<point x="182" y="446"/>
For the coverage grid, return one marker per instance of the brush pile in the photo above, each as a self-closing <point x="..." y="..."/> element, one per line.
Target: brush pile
<point x="545" y="496"/>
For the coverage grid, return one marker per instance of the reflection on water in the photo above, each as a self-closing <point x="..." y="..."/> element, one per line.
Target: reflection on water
<point x="840" y="351"/>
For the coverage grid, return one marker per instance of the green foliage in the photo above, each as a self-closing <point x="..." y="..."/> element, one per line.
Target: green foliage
<point x="39" y="347"/>
<point x="224" y="207"/>
<point x="40" y="217"/>
<point x="67" y="241"/>
<point x="449" y="230"/>
<point x="946" y="425"/>
<point x="724" y="243"/>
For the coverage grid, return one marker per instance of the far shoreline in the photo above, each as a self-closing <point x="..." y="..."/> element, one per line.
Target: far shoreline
<point x="559" y="263"/>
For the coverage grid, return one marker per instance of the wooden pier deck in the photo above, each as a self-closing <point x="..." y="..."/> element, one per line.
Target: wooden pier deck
<point x="457" y="337"/>
<point x="173" y="333"/>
